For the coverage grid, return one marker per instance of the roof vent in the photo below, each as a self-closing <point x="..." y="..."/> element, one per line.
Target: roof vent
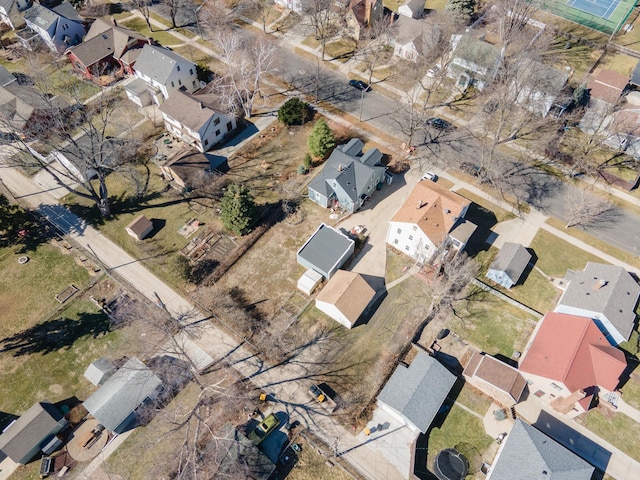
<point x="599" y="284"/>
<point x="446" y="210"/>
<point x="420" y="204"/>
<point x="201" y="105"/>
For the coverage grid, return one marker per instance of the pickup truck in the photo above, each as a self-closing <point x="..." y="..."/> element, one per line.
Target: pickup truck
<point x="322" y="398"/>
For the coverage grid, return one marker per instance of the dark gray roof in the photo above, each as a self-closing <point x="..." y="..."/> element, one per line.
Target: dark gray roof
<point x="348" y="170"/>
<point x="512" y="259"/>
<point x="45" y="18"/>
<point x="528" y="454"/>
<point x="6" y="77"/>
<point x="606" y="289"/>
<point x="99" y="370"/>
<point x="477" y="51"/>
<point x="158" y="63"/>
<point x="30" y="430"/>
<point x="417" y="392"/>
<point x="325" y="248"/>
<point x="122" y="393"/>
<point x="635" y="75"/>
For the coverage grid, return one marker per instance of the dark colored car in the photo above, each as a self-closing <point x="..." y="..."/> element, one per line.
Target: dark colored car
<point x="360" y="85"/>
<point x="439" y="123"/>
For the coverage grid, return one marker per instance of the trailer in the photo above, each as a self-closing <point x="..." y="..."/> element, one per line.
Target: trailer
<point x="321" y="396"/>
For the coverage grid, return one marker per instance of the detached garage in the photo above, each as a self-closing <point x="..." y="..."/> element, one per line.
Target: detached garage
<point x="345" y="297"/>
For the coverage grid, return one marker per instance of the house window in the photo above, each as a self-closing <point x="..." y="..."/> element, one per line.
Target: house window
<point x="415" y="227"/>
<point x="556" y="386"/>
<point x="179" y="82"/>
<point x="395" y="242"/>
<point x="206" y="142"/>
<point x="410" y="237"/>
<point x="229" y="126"/>
<point x="194" y="84"/>
<point x="191" y="72"/>
<point x="217" y="132"/>
<point x="399" y="231"/>
<point x="407" y="248"/>
<point x="173" y="85"/>
<point x="216" y="121"/>
<point x="178" y="68"/>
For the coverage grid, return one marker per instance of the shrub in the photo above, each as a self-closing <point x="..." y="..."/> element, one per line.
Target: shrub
<point x="293" y="112"/>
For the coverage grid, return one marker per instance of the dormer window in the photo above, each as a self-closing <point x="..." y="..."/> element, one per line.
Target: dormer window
<point x="178" y="68"/>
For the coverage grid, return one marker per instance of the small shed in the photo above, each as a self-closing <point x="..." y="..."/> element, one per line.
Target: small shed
<point x="308" y="282"/>
<point x="345" y="297"/>
<point x="326" y="251"/>
<point x="500" y="381"/>
<point x="99" y="371"/>
<point x="139" y="227"/>
<point x="509" y="265"/>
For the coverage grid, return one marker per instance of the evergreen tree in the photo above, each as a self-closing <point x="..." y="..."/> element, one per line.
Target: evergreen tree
<point x="462" y="10"/>
<point x="293" y="112"/>
<point x="321" y="139"/>
<point x="238" y="209"/>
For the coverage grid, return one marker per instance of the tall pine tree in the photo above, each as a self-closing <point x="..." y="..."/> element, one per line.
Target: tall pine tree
<point x="238" y="209"/>
<point x="321" y="139"/>
<point x="462" y="10"/>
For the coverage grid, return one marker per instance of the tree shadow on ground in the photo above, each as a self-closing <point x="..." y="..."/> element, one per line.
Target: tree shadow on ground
<point x="22" y="228"/>
<point x="52" y="335"/>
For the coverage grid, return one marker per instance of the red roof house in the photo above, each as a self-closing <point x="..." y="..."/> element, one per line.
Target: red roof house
<point x="569" y="360"/>
<point x="607" y="86"/>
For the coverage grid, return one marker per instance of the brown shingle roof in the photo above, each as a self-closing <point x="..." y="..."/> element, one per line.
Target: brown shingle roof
<point x="192" y="111"/>
<point x="139" y="225"/>
<point x="607" y="85"/>
<point x="349" y="292"/>
<point x="496" y="373"/>
<point x="433" y="208"/>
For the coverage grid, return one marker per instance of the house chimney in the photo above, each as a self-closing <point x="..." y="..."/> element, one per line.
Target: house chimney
<point x="201" y="105"/>
<point x="367" y="11"/>
<point x="113" y="20"/>
<point x="601" y="283"/>
<point x="420" y="204"/>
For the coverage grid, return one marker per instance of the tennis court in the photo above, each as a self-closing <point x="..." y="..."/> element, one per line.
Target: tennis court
<point x="599" y="8"/>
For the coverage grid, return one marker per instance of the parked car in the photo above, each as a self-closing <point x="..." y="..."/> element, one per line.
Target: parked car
<point x="433" y="71"/>
<point x="439" y="123"/>
<point x="263" y="429"/>
<point x="360" y="85"/>
<point x="429" y="176"/>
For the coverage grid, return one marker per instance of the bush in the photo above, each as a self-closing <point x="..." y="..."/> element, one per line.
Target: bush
<point x="293" y="112"/>
<point x="321" y="139"/>
<point x="302" y="170"/>
<point x="306" y="161"/>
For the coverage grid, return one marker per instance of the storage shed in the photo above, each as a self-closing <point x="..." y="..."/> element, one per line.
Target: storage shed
<point x="509" y="265"/>
<point x="99" y="371"/>
<point x="326" y="251"/>
<point x="139" y="227"/>
<point x="308" y="282"/>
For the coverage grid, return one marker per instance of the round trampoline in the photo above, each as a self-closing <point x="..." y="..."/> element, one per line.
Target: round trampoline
<point x="450" y="465"/>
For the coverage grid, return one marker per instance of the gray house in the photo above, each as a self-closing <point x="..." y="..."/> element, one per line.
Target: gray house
<point x="474" y="62"/>
<point x="605" y="293"/>
<point x="24" y="438"/>
<point x="59" y="27"/>
<point x="414" y="394"/>
<point x="114" y="405"/>
<point x="508" y="266"/>
<point x="348" y="177"/>
<point x="528" y="454"/>
<point x="326" y="251"/>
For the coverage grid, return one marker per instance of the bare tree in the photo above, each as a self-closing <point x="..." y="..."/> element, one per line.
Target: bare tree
<point x="512" y="18"/>
<point x="248" y="62"/>
<point x="174" y="8"/>
<point x="261" y="9"/>
<point x="586" y="208"/>
<point x="374" y="48"/>
<point x="324" y="20"/>
<point x="144" y="7"/>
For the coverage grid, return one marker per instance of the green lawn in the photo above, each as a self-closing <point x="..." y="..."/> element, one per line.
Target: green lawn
<point x="464" y="432"/>
<point x="631" y="391"/>
<point x="397" y="264"/>
<point x="341" y="50"/>
<point x="164" y="38"/>
<point x="556" y="256"/>
<point x="473" y="399"/>
<point x="491" y="325"/>
<point x="27" y="291"/>
<point x="621" y="431"/>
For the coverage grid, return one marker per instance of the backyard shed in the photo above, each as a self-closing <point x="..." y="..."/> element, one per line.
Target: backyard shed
<point x="500" y="381"/>
<point x="509" y="264"/>
<point x="308" y="282"/>
<point x="24" y="438"/>
<point x="326" y="251"/>
<point x="139" y="227"/>
<point x="99" y="371"/>
<point x="345" y="297"/>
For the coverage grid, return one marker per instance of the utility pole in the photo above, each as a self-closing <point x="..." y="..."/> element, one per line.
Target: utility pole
<point x="361" y="103"/>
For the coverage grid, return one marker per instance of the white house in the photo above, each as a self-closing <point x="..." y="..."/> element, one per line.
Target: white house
<point x="474" y="62"/>
<point x="59" y="27"/>
<point x="345" y="297"/>
<point x="431" y="217"/>
<point x="10" y="12"/>
<point x="158" y="72"/>
<point x="412" y="9"/>
<point x="295" y="5"/>
<point x="197" y="120"/>
<point x="414" y="37"/>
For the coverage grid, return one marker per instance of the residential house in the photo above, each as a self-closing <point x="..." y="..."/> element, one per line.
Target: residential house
<point x="158" y="72"/>
<point x="197" y="119"/>
<point x="10" y="12"/>
<point x="108" y="52"/>
<point x="607" y="86"/>
<point x="116" y="402"/>
<point x="509" y="265"/>
<point x="99" y="371"/>
<point x="139" y="227"/>
<point x="345" y="297"/>
<point x="529" y="454"/>
<point x="192" y="168"/>
<point x="569" y="362"/>
<point x="22" y="107"/>
<point x="326" y="251"/>
<point x="474" y="62"/>
<point x="537" y="85"/>
<point x="348" y="177"/>
<point x="59" y="27"/>
<point x="430" y="221"/>
<point x="414" y="38"/>
<point x="23" y="439"/>
<point x="6" y="77"/>
<point x="294" y="5"/>
<point x="412" y="9"/>
<point x="605" y="293"/>
<point x="362" y="14"/>
<point x="414" y="394"/>
<point x="500" y="381"/>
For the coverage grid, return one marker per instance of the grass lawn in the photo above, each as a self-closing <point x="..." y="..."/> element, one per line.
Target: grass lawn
<point x="27" y="291"/>
<point x="474" y="399"/>
<point x="313" y="466"/>
<point x="556" y="256"/>
<point x="492" y="325"/>
<point x="438" y="5"/>
<point x="631" y="391"/>
<point x="341" y="50"/>
<point x="621" y="431"/>
<point x="618" y="62"/>
<point x="501" y="214"/>
<point x="397" y="265"/>
<point x="49" y="360"/>
<point x="164" y="38"/>
<point x="311" y="42"/>
<point x="463" y="431"/>
<point x="62" y="82"/>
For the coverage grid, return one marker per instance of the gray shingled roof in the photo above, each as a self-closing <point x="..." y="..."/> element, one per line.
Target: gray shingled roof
<point x="477" y="51"/>
<point x="191" y="111"/>
<point x="606" y="289"/>
<point x="417" y="392"/>
<point x="99" y="370"/>
<point x="158" y="63"/>
<point x="325" y="248"/>
<point x="6" y="77"/>
<point x="45" y="18"/>
<point x="122" y="394"/>
<point x="30" y="430"/>
<point x="528" y="454"/>
<point x="512" y="259"/>
<point x="635" y="75"/>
